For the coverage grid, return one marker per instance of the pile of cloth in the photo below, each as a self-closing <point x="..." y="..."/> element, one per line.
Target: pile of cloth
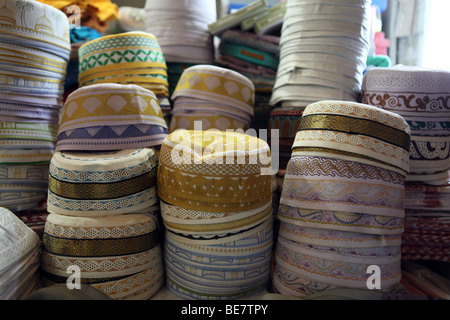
<point x="250" y="45"/>
<point x="323" y="51"/>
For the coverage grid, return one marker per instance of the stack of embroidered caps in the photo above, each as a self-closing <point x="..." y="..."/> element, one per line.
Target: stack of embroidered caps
<point x="421" y="97"/>
<point x="212" y="97"/>
<point x="19" y="258"/>
<point x="323" y="51"/>
<point x="216" y="205"/>
<point x="256" y="56"/>
<point x="35" y="50"/>
<point x="342" y="202"/>
<point x="182" y="28"/>
<point x="427" y="223"/>
<point x="102" y="192"/>
<point x="133" y="57"/>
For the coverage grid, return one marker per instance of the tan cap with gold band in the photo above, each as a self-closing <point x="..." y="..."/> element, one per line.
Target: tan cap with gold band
<point x="214" y="171"/>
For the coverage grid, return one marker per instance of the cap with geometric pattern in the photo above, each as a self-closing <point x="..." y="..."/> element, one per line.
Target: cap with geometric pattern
<point x="111" y="116"/>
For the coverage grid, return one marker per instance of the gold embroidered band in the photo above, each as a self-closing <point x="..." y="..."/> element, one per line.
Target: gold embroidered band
<point x="100" y="247"/>
<point x="99" y="191"/>
<point x="354" y="125"/>
<point x="110" y="104"/>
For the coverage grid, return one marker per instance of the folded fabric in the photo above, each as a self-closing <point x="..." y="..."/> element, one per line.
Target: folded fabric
<point x="130" y="57"/>
<point x="236" y="18"/>
<point x="349" y="129"/>
<point x="104" y="10"/>
<point x="83" y="33"/>
<point x="250" y="47"/>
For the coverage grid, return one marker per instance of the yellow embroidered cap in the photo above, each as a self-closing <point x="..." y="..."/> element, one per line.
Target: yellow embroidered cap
<point x="130" y="57"/>
<point x="218" y="84"/>
<point x="214" y="171"/>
